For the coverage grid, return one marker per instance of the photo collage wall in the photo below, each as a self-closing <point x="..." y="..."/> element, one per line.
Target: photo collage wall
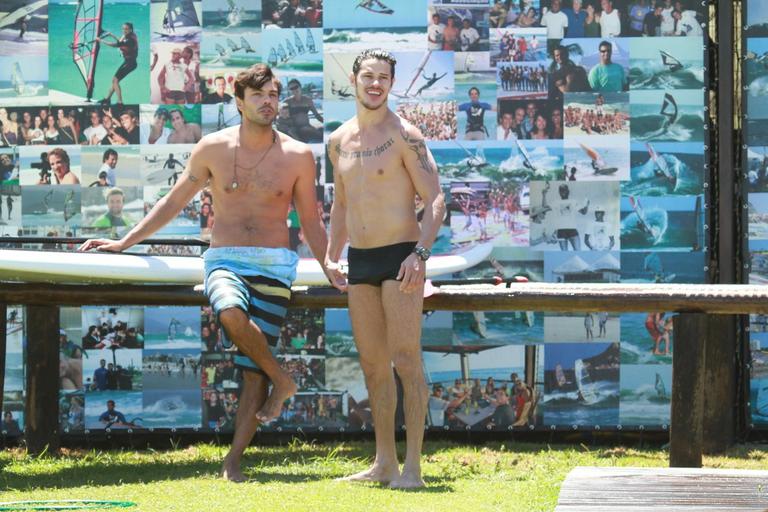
<point x="570" y="135"/>
<point x="755" y="178"/>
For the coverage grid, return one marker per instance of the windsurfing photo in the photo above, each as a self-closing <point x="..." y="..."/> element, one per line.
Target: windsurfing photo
<point x="423" y="76"/>
<point x="665" y="168"/>
<point x="354" y="25"/>
<point x="90" y="63"/>
<point x="24" y="52"/>
<point x="670" y="223"/>
<point x="24" y="28"/>
<point x="597" y="158"/>
<point x="581" y="384"/>
<point x="231" y="41"/>
<point x="667" y="116"/>
<point x="645" y="394"/>
<point x="176" y="21"/>
<point x="666" y="63"/>
<point x="23" y="81"/>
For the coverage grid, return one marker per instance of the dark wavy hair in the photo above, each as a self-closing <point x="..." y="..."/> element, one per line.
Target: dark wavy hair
<point x="375" y="54"/>
<point x="255" y="77"/>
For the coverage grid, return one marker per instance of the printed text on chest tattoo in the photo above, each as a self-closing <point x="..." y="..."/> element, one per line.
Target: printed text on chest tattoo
<point x="365" y="153"/>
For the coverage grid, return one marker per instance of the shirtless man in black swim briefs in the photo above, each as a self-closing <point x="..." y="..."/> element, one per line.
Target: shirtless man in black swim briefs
<point x="253" y="173"/>
<point x="128" y="45"/>
<point x="380" y="163"/>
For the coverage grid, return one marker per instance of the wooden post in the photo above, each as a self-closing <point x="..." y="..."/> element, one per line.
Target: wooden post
<point x="530" y="365"/>
<point x="688" y="366"/>
<point x="720" y="387"/>
<point x="41" y="418"/>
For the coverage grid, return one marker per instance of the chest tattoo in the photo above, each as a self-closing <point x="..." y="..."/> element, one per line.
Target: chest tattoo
<point x="364" y="153"/>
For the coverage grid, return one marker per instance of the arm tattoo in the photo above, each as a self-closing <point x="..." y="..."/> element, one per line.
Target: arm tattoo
<point x="192" y="177"/>
<point x="417" y="146"/>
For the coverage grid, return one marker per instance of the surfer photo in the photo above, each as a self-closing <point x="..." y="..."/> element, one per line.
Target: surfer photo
<point x="431" y="80"/>
<point x="128" y="44"/>
<point x="341" y="92"/>
<point x="23" y="27"/>
<point x="112" y="418"/>
<point x="170" y="166"/>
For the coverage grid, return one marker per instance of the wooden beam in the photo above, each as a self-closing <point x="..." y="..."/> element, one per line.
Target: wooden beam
<point x="41" y="412"/>
<point x="571" y="297"/>
<point x="686" y="430"/>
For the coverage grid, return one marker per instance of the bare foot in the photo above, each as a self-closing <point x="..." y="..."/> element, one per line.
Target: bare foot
<point x="408" y="480"/>
<point x="381" y="474"/>
<point x="231" y="471"/>
<point x="282" y="390"/>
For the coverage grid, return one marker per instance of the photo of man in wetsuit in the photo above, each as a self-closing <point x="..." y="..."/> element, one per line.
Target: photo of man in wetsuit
<point x="129" y="47"/>
<point x="475" y="110"/>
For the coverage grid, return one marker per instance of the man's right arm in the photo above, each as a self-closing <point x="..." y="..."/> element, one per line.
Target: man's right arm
<point x="190" y="183"/>
<point x="338" y="229"/>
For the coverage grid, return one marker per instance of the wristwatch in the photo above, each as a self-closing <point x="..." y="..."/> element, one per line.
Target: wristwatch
<point x="422" y="252"/>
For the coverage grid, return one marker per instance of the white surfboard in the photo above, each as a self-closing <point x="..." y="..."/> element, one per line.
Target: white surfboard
<point x="105" y="268"/>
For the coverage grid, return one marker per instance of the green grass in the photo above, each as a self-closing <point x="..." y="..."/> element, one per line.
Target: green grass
<point x="298" y="477"/>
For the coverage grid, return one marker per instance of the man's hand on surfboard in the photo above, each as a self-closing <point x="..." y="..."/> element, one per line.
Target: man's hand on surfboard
<point x="102" y="244"/>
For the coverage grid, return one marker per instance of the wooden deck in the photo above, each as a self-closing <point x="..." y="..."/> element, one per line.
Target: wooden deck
<point x="592" y="489"/>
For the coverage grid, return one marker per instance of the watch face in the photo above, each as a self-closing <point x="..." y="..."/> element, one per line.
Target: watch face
<point x="423" y="253"/>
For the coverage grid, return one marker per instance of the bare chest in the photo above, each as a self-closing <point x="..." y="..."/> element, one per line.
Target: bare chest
<point x="377" y="164"/>
<point x="242" y="176"/>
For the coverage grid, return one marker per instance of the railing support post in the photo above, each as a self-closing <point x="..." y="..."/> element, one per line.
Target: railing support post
<point x="41" y="418"/>
<point x="720" y="389"/>
<point x="688" y="367"/>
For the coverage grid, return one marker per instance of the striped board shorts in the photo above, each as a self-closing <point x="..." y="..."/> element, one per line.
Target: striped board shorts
<point x="255" y="280"/>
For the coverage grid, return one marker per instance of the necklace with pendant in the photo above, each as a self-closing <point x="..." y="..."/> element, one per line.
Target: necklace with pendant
<point x="235" y="183"/>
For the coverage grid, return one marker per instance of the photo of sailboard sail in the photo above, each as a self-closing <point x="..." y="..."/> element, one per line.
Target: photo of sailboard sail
<point x="85" y="47"/>
<point x="176" y="20"/>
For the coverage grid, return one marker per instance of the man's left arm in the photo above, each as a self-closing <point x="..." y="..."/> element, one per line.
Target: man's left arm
<point x="305" y="202"/>
<point x="422" y="169"/>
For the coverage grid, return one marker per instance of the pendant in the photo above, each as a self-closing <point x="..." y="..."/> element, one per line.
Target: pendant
<point x="234" y="185"/>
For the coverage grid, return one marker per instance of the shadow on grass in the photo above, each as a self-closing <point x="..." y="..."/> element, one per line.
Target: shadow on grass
<point x="317" y="463"/>
<point x="314" y="462"/>
<point x="101" y="474"/>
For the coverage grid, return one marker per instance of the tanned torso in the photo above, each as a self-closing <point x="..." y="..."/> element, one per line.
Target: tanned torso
<point x="379" y="192"/>
<point x="255" y="213"/>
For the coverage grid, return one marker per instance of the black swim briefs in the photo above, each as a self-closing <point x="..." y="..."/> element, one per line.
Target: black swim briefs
<point x="373" y="266"/>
